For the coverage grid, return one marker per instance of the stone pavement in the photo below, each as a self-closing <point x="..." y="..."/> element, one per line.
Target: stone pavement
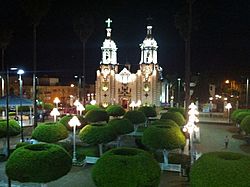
<point x="212" y="139"/>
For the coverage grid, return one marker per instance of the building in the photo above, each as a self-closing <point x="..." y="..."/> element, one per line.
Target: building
<point x="116" y="84"/>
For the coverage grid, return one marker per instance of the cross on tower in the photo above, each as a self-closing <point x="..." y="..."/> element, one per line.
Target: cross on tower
<point x="108" y="21"/>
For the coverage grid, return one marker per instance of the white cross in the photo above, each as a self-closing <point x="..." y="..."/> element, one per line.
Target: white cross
<point x="108" y="21"/>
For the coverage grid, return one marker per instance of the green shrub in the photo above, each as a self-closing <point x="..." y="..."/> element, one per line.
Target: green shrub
<point x="126" y="167"/>
<point x="175" y="109"/>
<point x="50" y="132"/>
<point x="96" y="115"/>
<point x="235" y="113"/>
<point x="135" y="116"/>
<point x="89" y="107"/>
<point x="92" y="134"/>
<point x="175" y="116"/>
<point x="148" y="111"/>
<point x="241" y="115"/>
<point x="121" y="126"/>
<point x="21" y="144"/>
<point x="115" y="110"/>
<point x="168" y="137"/>
<point x="245" y="124"/>
<point x="168" y="122"/>
<point x="221" y="169"/>
<point x="14" y="128"/>
<point x="40" y="163"/>
<point x="48" y="106"/>
<point x="65" y="121"/>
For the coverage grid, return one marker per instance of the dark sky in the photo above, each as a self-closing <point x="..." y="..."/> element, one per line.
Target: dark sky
<point x="220" y="38"/>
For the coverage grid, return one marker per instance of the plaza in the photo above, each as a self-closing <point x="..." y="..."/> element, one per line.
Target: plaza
<point x="213" y="131"/>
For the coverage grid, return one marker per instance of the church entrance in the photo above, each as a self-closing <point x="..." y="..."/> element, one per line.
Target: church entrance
<point x="124" y="102"/>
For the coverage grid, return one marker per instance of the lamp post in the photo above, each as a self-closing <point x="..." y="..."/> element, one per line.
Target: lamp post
<point x="20" y="72"/>
<point x="247" y="92"/>
<point x="190" y="127"/>
<point x="73" y="122"/>
<point x="80" y="108"/>
<point x="179" y="90"/>
<point x="56" y="101"/>
<point x="228" y="107"/>
<point x="55" y="113"/>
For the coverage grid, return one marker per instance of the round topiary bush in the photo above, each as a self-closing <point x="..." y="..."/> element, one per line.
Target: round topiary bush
<point x="121" y="126"/>
<point x="241" y="115"/>
<point x="175" y="109"/>
<point x="14" y="128"/>
<point x="175" y="116"/>
<point x="115" y="110"/>
<point x="168" y="137"/>
<point x="50" y="132"/>
<point x="40" y="163"/>
<point x="65" y="121"/>
<point x="89" y="107"/>
<point x="135" y="116"/>
<point x="123" y="167"/>
<point x="97" y="134"/>
<point x="221" y="169"/>
<point x="168" y="122"/>
<point x="96" y="115"/>
<point x="148" y="111"/>
<point x="245" y="124"/>
<point x="236" y="112"/>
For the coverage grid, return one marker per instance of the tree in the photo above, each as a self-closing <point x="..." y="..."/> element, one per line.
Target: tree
<point x="30" y="163"/>
<point x="136" y="117"/>
<point x="115" y="110"/>
<point x="169" y="136"/>
<point x="125" y="167"/>
<point x="97" y="134"/>
<point x="36" y="10"/>
<point x="14" y="130"/>
<point x="97" y="115"/>
<point x="83" y="24"/>
<point x="177" y="117"/>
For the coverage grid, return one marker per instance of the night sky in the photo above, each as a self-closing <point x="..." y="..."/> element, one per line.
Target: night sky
<point x="220" y="37"/>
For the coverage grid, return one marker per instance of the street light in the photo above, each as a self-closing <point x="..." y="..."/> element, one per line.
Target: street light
<point x="20" y="72"/>
<point x="179" y="90"/>
<point x="73" y="122"/>
<point x="56" y="101"/>
<point x="55" y="113"/>
<point x="228" y="107"/>
<point x="190" y="127"/>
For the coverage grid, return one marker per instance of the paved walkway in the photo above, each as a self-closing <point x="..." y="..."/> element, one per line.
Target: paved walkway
<point x="212" y="139"/>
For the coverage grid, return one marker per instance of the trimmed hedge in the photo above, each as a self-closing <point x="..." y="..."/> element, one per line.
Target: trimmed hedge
<point x="115" y="110"/>
<point x="14" y="128"/>
<point x="97" y="134"/>
<point x="221" y="169"/>
<point x="135" y="116"/>
<point x="241" y="115"/>
<point x="89" y="107"/>
<point x="65" y="121"/>
<point x="50" y="132"/>
<point x="40" y="163"/>
<point x="235" y="113"/>
<point x="175" y="109"/>
<point x="126" y="167"/>
<point x="245" y="124"/>
<point x="96" y="115"/>
<point x="121" y="126"/>
<point x="168" y="137"/>
<point x="175" y="116"/>
<point x="168" y="122"/>
<point x="148" y="111"/>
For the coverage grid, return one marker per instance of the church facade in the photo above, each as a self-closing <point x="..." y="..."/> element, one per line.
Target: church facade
<point x="116" y="84"/>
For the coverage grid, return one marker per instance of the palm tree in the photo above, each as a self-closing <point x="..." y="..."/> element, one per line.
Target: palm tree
<point x="83" y="27"/>
<point x="5" y="37"/>
<point x="35" y="9"/>
<point x="183" y="22"/>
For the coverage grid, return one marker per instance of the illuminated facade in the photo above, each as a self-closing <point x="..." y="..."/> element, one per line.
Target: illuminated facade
<point x="120" y="86"/>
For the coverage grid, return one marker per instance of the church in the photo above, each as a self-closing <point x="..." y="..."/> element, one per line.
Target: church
<point x="116" y="84"/>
